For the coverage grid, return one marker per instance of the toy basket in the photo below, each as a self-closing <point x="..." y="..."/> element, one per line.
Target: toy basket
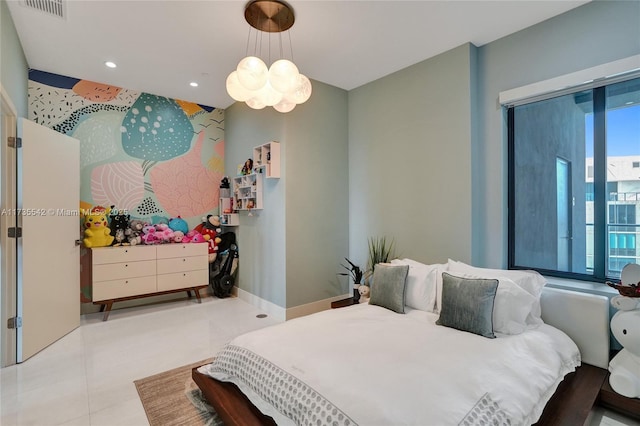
<point x="632" y="290"/>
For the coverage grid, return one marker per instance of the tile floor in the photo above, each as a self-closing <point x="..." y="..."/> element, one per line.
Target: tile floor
<point x="87" y="377"/>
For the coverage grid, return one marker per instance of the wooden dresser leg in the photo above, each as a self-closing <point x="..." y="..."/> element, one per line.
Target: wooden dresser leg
<point x="107" y="310"/>
<point x="197" y="292"/>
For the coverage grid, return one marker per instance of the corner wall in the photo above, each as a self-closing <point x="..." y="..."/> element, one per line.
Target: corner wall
<point x="13" y="64"/>
<point x="292" y="248"/>
<point x="410" y="144"/>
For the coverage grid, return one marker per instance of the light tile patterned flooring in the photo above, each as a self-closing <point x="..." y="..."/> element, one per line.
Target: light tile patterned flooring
<point x="86" y="378"/>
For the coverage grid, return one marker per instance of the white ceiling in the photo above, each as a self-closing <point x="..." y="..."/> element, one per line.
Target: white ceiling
<point x="161" y="46"/>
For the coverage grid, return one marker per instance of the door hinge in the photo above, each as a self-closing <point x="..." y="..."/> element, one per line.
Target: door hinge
<point x="14" y="142"/>
<point x="15" y="232"/>
<point x="15" y="322"/>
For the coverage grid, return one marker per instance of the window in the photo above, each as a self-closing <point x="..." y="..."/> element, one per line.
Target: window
<point x="574" y="183"/>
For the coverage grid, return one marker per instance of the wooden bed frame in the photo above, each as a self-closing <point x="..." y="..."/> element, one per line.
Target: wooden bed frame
<point x="584" y="317"/>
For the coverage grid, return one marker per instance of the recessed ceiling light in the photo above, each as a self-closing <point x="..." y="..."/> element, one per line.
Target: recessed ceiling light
<point x="110" y="64"/>
<point x="193" y="84"/>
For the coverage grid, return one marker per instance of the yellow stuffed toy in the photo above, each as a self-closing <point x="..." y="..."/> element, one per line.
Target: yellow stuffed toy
<point x="96" y="228"/>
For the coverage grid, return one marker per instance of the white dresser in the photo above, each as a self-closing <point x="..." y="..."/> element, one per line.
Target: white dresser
<point x="130" y="272"/>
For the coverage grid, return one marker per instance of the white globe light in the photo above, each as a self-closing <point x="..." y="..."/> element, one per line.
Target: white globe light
<point x="252" y="73"/>
<point x="237" y="90"/>
<point x="283" y="75"/>
<point x="284" y="106"/>
<point x="255" y="103"/>
<point x="268" y="95"/>
<point x="301" y="92"/>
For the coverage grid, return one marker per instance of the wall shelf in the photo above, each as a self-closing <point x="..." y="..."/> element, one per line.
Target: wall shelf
<point x="267" y="157"/>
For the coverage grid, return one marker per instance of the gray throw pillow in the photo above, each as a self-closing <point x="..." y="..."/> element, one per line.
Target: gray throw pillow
<point x="467" y="304"/>
<point x="388" y="286"/>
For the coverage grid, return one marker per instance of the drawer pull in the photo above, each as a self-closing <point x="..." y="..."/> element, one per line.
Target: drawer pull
<point x="126" y="282"/>
<point x="126" y="251"/>
<point x="184" y="275"/>
<point x="184" y="260"/>
<point x="125" y="265"/>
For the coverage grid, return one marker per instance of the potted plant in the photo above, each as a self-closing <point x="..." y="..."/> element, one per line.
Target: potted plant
<point x="380" y="251"/>
<point x="356" y="274"/>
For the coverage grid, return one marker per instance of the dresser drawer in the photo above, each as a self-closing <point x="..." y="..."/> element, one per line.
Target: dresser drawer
<point x="122" y="254"/>
<point x="181" y="264"/>
<point x="182" y="250"/>
<point x="116" y="271"/>
<point x="105" y="290"/>
<point x="183" y="279"/>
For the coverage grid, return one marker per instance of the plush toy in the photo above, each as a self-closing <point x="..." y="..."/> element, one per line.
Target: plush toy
<point x="149" y="235"/>
<point x="119" y="225"/>
<point x="96" y="228"/>
<point x="178" y="237"/>
<point x="364" y="290"/>
<point x="194" y="236"/>
<point x="163" y="233"/>
<point x="210" y="226"/>
<point x="178" y="224"/>
<point x="134" y="232"/>
<point x="625" y="366"/>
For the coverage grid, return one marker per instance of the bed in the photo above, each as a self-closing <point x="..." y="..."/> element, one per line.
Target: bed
<point x="371" y="365"/>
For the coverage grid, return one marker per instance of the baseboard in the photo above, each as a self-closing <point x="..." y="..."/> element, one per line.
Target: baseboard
<point x="281" y="313"/>
<point x="271" y="309"/>
<point x="313" y="307"/>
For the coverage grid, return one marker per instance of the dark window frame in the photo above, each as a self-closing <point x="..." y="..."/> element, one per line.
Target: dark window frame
<point x="599" y="196"/>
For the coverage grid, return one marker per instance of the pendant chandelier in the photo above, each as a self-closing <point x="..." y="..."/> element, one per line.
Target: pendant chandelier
<point x="281" y="85"/>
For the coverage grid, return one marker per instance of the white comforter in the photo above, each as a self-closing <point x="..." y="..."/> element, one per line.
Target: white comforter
<point x="367" y="365"/>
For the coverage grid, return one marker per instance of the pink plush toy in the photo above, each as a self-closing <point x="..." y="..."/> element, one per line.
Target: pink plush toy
<point x="163" y="233"/>
<point x="178" y="237"/>
<point x="149" y="235"/>
<point x="194" y="237"/>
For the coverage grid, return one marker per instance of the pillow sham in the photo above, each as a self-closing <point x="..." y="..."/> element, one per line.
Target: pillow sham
<point x="468" y="304"/>
<point x="421" y="285"/>
<point x="511" y="307"/>
<point x="388" y="286"/>
<point x="530" y="281"/>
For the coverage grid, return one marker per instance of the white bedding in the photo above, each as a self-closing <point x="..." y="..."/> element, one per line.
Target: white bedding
<point x="367" y="365"/>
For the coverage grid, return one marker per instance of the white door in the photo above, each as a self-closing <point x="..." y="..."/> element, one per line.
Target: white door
<point x="48" y="267"/>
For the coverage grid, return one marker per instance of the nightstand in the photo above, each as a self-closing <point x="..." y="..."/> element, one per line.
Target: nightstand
<point x="342" y="303"/>
<point x="616" y="402"/>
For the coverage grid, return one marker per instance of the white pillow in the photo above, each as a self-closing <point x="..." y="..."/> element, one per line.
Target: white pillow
<point x="420" y="292"/>
<point x="530" y="281"/>
<point x="511" y="307"/>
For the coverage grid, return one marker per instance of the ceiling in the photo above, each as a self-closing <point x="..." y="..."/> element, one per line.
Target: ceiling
<point x="162" y="46"/>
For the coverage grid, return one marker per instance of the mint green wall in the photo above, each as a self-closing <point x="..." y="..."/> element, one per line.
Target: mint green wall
<point x="317" y="196"/>
<point x="13" y="64"/>
<point x="292" y="248"/>
<point x="593" y="34"/>
<point x="410" y="141"/>
<point x="261" y="237"/>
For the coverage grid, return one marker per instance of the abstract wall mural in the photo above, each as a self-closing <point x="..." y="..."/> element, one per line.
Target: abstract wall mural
<point x="153" y="156"/>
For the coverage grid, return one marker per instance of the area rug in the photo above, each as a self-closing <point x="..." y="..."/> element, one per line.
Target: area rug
<point x="172" y="398"/>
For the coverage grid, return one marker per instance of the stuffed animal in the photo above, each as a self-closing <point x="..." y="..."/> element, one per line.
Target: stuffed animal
<point x="134" y="232"/>
<point x="210" y="226"/>
<point x="625" y="366"/>
<point x="149" y="235"/>
<point x="163" y="233"/>
<point x="178" y="237"/>
<point x="194" y="236"/>
<point x="364" y="290"/>
<point x="178" y="224"/>
<point x="96" y="228"/>
<point x="119" y="225"/>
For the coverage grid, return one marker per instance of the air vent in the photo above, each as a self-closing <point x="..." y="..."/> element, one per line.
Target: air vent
<point x="52" y="7"/>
